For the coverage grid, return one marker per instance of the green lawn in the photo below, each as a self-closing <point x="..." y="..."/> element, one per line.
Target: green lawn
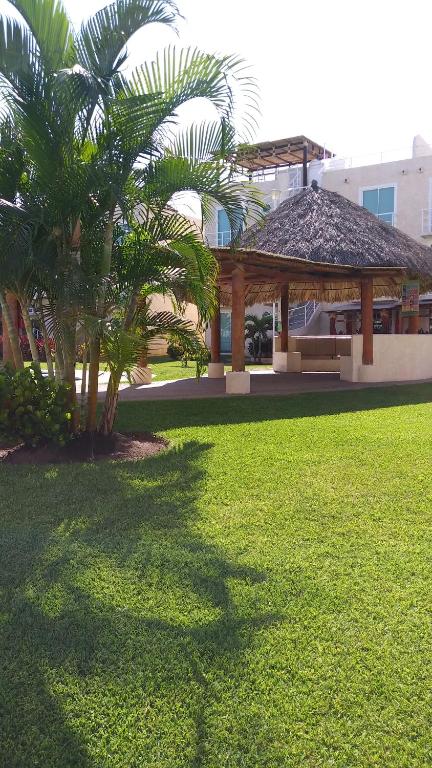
<point x="258" y="596"/>
<point x="164" y="369"/>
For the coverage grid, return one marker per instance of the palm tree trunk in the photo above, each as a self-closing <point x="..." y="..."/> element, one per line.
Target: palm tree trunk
<point x="69" y="359"/>
<point x="12" y="332"/>
<point x="84" y="377"/>
<point x="29" y="331"/>
<point x="47" y="349"/>
<point x="93" y="385"/>
<point x="110" y="405"/>
<point x="106" y="423"/>
<point x="59" y="366"/>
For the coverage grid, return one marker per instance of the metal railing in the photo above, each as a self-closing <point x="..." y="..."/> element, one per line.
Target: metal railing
<point x="301" y="315"/>
<point x="426" y="228"/>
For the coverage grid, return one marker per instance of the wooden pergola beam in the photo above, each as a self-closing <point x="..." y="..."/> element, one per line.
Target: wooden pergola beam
<point x="215" y="331"/>
<point x="366" y="287"/>
<point x="238" y="320"/>
<point x="284" y="307"/>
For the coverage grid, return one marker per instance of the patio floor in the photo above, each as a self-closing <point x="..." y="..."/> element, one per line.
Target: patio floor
<point x="265" y="383"/>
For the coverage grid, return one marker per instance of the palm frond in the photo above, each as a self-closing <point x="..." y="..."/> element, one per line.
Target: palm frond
<point x="102" y="39"/>
<point x="207" y="141"/>
<point x="190" y="73"/>
<point x="51" y="29"/>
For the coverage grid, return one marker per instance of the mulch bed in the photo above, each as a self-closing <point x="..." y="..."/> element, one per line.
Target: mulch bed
<point x="117" y="447"/>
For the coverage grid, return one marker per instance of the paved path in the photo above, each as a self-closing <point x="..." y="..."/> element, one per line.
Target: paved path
<point x="262" y="383"/>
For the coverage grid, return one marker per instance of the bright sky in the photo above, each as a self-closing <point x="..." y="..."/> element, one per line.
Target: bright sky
<point x="354" y="75"/>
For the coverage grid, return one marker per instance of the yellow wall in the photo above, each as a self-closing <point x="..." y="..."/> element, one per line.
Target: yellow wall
<point x="164" y="304"/>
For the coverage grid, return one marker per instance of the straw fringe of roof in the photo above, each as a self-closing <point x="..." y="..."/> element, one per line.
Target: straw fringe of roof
<point x="332" y="292"/>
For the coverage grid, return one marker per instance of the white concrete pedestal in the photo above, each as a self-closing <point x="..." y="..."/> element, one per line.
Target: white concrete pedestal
<point x="238" y="382"/>
<point x="141" y="375"/>
<point x="216" y="370"/>
<point x="287" y="362"/>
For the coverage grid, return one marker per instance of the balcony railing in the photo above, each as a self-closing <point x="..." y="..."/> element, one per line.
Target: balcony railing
<point x="426" y="221"/>
<point x="299" y="316"/>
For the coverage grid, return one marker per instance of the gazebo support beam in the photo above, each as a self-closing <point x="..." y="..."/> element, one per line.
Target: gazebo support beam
<point x="367" y="319"/>
<point x="284" y="318"/>
<point x="413" y="324"/>
<point x="238" y="320"/>
<point x="238" y="380"/>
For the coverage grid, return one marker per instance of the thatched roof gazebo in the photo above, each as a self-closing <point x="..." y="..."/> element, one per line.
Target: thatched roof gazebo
<point x="317" y="230"/>
<point x="316" y="245"/>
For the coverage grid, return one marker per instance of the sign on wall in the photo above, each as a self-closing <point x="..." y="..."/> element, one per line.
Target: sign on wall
<point x="410" y="298"/>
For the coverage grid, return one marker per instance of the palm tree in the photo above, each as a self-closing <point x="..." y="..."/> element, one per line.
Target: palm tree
<point x="143" y="266"/>
<point x="257" y="330"/>
<point x="99" y="146"/>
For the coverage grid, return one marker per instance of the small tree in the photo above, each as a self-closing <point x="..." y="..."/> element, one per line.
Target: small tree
<point x="257" y="330"/>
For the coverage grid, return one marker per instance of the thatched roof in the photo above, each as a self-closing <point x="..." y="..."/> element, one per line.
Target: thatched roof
<point x="324" y="226"/>
<point x="323" y="231"/>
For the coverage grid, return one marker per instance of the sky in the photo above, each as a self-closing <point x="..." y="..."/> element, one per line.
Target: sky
<point x="354" y="76"/>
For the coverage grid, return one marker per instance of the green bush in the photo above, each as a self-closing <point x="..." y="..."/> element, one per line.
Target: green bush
<point x="33" y="408"/>
<point x="175" y="350"/>
<point x="202" y="358"/>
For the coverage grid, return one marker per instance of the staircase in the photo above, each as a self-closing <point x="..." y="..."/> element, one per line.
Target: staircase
<point x="299" y="317"/>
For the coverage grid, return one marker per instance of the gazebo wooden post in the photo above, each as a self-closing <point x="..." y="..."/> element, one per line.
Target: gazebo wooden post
<point x="215" y="335"/>
<point x="238" y="320"/>
<point x="215" y="367"/>
<point x="284" y="318"/>
<point x="367" y="319"/>
<point x="238" y="380"/>
<point x="413" y="324"/>
<point x="397" y="325"/>
<point x="283" y="360"/>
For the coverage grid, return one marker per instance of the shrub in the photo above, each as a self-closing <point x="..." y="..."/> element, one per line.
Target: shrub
<point x="175" y="350"/>
<point x="202" y="358"/>
<point x="33" y="408"/>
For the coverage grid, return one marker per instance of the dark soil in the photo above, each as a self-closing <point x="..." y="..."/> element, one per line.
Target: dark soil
<point x="117" y="447"/>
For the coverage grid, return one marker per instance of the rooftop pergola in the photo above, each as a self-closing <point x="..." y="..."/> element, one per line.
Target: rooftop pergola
<point x="316" y="245"/>
<point x="283" y="153"/>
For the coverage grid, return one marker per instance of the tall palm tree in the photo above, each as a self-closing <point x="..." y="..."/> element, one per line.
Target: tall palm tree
<point x="99" y="145"/>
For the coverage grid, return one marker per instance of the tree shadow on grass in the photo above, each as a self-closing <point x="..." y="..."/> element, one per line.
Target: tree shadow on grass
<point x="171" y="414"/>
<point x="117" y="615"/>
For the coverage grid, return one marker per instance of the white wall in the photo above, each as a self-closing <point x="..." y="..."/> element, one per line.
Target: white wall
<point x="396" y="358"/>
<point x="411" y="179"/>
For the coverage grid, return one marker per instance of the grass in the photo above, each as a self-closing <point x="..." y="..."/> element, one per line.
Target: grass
<point x="259" y="596"/>
<point x="164" y="369"/>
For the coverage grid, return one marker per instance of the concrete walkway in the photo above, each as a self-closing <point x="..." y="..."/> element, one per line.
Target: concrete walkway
<point x="262" y="383"/>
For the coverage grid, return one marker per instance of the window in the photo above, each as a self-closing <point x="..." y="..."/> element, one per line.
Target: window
<point x="224" y="229"/>
<point x="381" y="202"/>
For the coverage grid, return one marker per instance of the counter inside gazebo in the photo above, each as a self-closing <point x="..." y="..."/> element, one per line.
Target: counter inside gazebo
<point x="318" y="245"/>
